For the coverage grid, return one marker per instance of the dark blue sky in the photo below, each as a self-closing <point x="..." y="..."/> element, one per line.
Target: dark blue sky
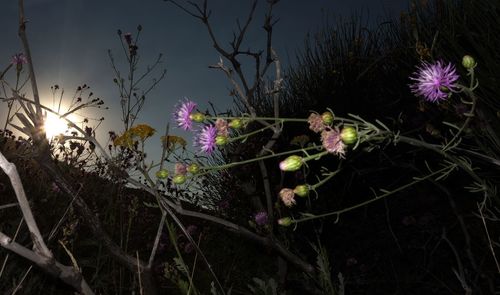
<point x="69" y="42"/>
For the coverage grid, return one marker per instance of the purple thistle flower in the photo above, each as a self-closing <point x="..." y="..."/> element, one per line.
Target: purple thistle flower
<point x="332" y="142"/>
<point x="206" y="138"/>
<point x="434" y="81"/>
<point x="182" y="114"/>
<point x="261" y="218"/>
<point x="19" y="59"/>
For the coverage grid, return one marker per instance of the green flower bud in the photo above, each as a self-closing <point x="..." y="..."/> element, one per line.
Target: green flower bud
<point x="179" y="179"/>
<point x="235" y="124"/>
<point x="221" y="140"/>
<point x="285" y="221"/>
<point x="162" y="174"/>
<point x="327" y="118"/>
<point x="301" y="190"/>
<point x="292" y="163"/>
<point x="193" y="168"/>
<point x="468" y="62"/>
<point x="197" y="117"/>
<point x="349" y="135"/>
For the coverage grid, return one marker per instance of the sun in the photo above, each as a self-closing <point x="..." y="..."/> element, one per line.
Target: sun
<point x="54" y="125"/>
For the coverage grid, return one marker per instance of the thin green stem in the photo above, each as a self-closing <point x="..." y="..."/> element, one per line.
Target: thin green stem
<point x="338" y="212"/>
<point x="324" y="180"/>
<point x="233" y="164"/>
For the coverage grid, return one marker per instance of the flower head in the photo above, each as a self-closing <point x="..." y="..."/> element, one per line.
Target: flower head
<point x="180" y="168"/>
<point x="261" y="218"/>
<point x="142" y="130"/>
<point x="222" y="127"/>
<point x="287" y="196"/>
<point x="206" y="138"/>
<point x="434" y="81"/>
<point x="316" y="123"/>
<point x="332" y="142"/>
<point x="182" y="114"/>
<point x="19" y="59"/>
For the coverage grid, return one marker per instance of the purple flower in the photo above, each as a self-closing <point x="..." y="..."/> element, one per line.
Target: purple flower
<point x="332" y="142"/>
<point x="261" y="218"/>
<point x="19" y="59"/>
<point x="206" y="138"/>
<point x="434" y="81"/>
<point x="182" y="114"/>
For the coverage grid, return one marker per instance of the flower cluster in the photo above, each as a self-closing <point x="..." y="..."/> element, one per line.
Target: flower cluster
<point x="210" y="135"/>
<point x="142" y="131"/>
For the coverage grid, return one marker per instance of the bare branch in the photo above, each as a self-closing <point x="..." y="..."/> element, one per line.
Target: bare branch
<point x="36" y="236"/>
<point x="65" y="273"/>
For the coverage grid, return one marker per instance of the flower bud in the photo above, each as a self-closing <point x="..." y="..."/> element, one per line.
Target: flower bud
<point x="327" y="118"/>
<point x="292" y="163"/>
<point x="197" y="117"/>
<point x="235" y="124"/>
<point x="221" y="140"/>
<point x="179" y="179"/>
<point x="285" y="221"/>
<point x="301" y="190"/>
<point x="468" y="62"/>
<point x="193" y="168"/>
<point x="349" y="135"/>
<point x="162" y="174"/>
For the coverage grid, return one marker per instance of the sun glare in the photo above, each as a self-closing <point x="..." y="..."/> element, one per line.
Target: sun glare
<point x="54" y="125"/>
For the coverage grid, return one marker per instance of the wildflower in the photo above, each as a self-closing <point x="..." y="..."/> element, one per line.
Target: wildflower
<point x="261" y="218"/>
<point x="206" y="139"/>
<point x="182" y="114"/>
<point x="434" y="81"/>
<point x="124" y="140"/>
<point x="468" y="62"/>
<point x="285" y="221"/>
<point x="316" y="123"/>
<point x="349" y="135"/>
<point x="332" y="142"/>
<point x="180" y="169"/>
<point x="142" y="130"/>
<point x="292" y="163"/>
<point x="162" y="174"/>
<point x="287" y="196"/>
<point x="19" y="60"/>
<point x="222" y="127"/>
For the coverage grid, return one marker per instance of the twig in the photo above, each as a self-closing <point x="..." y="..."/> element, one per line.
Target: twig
<point x="481" y="207"/>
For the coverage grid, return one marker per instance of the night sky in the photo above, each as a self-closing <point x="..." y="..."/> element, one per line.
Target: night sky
<point x="69" y="42"/>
